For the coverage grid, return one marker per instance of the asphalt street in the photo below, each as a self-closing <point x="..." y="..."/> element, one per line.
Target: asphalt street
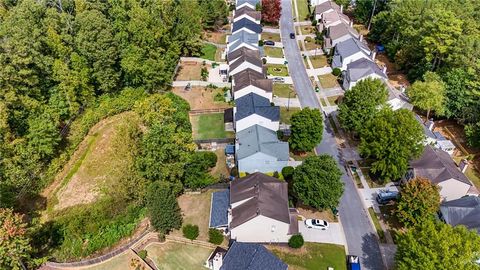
<point x="359" y="233"/>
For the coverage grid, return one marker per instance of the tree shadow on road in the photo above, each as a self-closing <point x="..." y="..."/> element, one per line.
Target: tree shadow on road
<point x="372" y="258"/>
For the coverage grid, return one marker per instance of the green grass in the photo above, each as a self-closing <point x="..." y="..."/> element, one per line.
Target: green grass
<point x="334" y="100"/>
<point x="314" y="256"/>
<point x="311" y="45"/>
<point x="283" y="90"/>
<point x="302" y="6"/>
<point x="318" y="61"/>
<point x="174" y="256"/>
<point x="328" y="81"/>
<point x="209" y="126"/>
<point x="208" y="52"/>
<point x="376" y="223"/>
<point x="302" y="156"/>
<point x="277" y="70"/>
<point x="286" y="115"/>
<point x="473" y="175"/>
<point x="271" y="36"/>
<point x="273" y="52"/>
<point x="307" y="29"/>
<point x="118" y="262"/>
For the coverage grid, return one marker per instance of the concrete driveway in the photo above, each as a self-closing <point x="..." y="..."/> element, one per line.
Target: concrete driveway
<point x="334" y="234"/>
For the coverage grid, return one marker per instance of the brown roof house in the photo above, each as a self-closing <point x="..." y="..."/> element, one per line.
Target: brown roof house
<point x="437" y="165"/>
<point x="247" y="12"/>
<point x="338" y="33"/>
<point x="259" y="210"/>
<point x="250" y="81"/>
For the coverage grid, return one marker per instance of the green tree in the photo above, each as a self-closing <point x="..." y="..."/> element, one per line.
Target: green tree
<point x="473" y="134"/>
<point x="435" y="245"/>
<point x="14" y="246"/>
<point x="43" y="135"/>
<point x="163" y="209"/>
<point x="190" y="231"/>
<point x="296" y="241"/>
<point x="317" y="182"/>
<point x="197" y="170"/>
<point x="419" y="200"/>
<point x="428" y="94"/>
<point x="307" y="129"/>
<point x="391" y="139"/>
<point x="215" y="236"/>
<point x="361" y="103"/>
<point x="214" y="13"/>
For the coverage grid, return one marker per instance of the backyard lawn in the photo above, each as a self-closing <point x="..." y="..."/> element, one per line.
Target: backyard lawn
<point x="208" y="52"/>
<point x="302" y="6"/>
<point x="173" y="256"/>
<point x="328" y="81"/>
<point x="313" y="256"/>
<point x="271" y="36"/>
<point x="282" y="90"/>
<point x="191" y="70"/>
<point x="277" y="70"/>
<point x="286" y="115"/>
<point x="318" y="61"/>
<point x="209" y="126"/>
<point x="216" y="37"/>
<point x="273" y="52"/>
<point x="119" y="262"/>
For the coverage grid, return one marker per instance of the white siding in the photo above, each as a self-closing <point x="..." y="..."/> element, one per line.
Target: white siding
<point x="261" y="229"/>
<point x="245" y="16"/>
<point x="372" y="76"/>
<point x="246" y="45"/>
<point x="244" y="66"/>
<point x="252" y="89"/>
<point x="453" y="189"/>
<point x="256" y="119"/>
<point x="352" y="58"/>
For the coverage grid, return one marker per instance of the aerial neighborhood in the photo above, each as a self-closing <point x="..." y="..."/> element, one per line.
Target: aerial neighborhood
<point x="239" y="134"/>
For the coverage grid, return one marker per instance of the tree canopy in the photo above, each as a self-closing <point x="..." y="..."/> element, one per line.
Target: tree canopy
<point x="163" y="208"/>
<point x="14" y="244"/>
<point x="307" y="129"/>
<point x="271" y="11"/>
<point x="391" y="139"/>
<point x="361" y="103"/>
<point x="428" y="94"/>
<point x="317" y="182"/>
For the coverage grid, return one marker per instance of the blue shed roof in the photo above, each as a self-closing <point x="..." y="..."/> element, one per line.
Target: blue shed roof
<point x="219" y="209"/>
<point x="230" y="149"/>
<point x="249" y="256"/>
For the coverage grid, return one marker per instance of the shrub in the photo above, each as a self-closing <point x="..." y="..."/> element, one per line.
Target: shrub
<point x="260" y="42"/>
<point x="218" y="97"/>
<point x="142" y="254"/>
<point x="264" y="60"/>
<point x="215" y="236"/>
<point x="204" y="74"/>
<point x="190" y="231"/>
<point x="287" y="172"/>
<point x="296" y="241"/>
<point x="314" y="23"/>
<point x="276" y="174"/>
<point x="336" y="72"/>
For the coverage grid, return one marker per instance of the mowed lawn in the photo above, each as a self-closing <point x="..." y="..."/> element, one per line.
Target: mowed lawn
<point x="328" y="81"/>
<point x="277" y="70"/>
<point x="313" y="256"/>
<point x="173" y="256"/>
<point x="283" y="90"/>
<point x="209" y="126"/>
<point x="302" y="6"/>
<point x="208" y="52"/>
<point x="286" y="115"/>
<point x="119" y="262"/>
<point x="318" y="61"/>
<point x="271" y="36"/>
<point x="273" y="52"/>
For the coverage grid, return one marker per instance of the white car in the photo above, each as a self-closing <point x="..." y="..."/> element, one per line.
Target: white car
<point x="316" y="224"/>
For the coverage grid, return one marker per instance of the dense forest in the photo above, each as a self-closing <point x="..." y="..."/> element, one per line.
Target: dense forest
<point x="434" y="36"/>
<point x="67" y="64"/>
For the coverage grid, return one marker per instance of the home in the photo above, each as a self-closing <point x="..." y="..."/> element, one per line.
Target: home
<point x="247" y="25"/>
<point x="338" y="33"/>
<point x="247" y="12"/>
<point x="233" y="56"/>
<point x="437" y="165"/>
<point x="327" y="7"/>
<point x="398" y="100"/>
<point x="332" y="19"/>
<point x="317" y="2"/>
<point x="244" y="256"/>
<point x="361" y="69"/>
<point x="435" y="138"/>
<point x="246" y="61"/>
<point x="464" y="211"/>
<point x="349" y="51"/>
<point x="247" y="3"/>
<point x="242" y="39"/>
<point x="259" y="211"/>
<point x="258" y="149"/>
<point x="250" y="81"/>
<point x="253" y="109"/>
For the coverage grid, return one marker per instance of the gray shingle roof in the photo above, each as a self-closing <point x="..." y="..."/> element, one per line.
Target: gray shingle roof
<point x="241" y="52"/>
<point x="426" y="130"/>
<point x="255" y="104"/>
<point x="256" y="139"/>
<point x="361" y="68"/>
<point x="346" y="48"/>
<point x="219" y="209"/>
<point x="437" y="165"/>
<point x="249" y="256"/>
<point x="247" y="24"/>
<point x="326" y="6"/>
<point x="464" y="211"/>
<point x="241" y="37"/>
<point x="248" y="57"/>
<point x="251" y="77"/>
<point x="265" y="195"/>
<point x="257" y="15"/>
<point x="252" y="2"/>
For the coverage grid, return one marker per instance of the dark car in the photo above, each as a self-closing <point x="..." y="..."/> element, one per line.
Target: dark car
<point x="269" y="43"/>
<point x="386" y="196"/>
<point x="292" y="35"/>
<point x="353" y="262"/>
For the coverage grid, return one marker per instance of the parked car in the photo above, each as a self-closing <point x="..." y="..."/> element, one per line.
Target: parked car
<point x="386" y="196"/>
<point x="316" y="224"/>
<point x="292" y="35"/>
<point x="353" y="262"/>
<point x="269" y="43"/>
<point x="278" y="79"/>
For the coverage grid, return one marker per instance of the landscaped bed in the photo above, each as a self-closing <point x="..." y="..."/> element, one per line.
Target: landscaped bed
<point x="273" y="52"/>
<point x="312" y="256"/>
<point x="328" y="81"/>
<point x="271" y="36"/>
<point x="277" y="70"/>
<point x="283" y="90"/>
<point x="173" y="256"/>
<point x="209" y="126"/>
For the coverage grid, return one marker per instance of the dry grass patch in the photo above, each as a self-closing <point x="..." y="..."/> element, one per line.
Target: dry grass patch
<point x="221" y="166"/>
<point x="271" y="36"/>
<point x="196" y="210"/>
<point x="175" y="256"/>
<point x="215" y="37"/>
<point x="201" y="98"/>
<point x="318" y="61"/>
<point x="309" y="212"/>
<point x="120" y="262"/>
<point x="190" y="71"/>
<point x="307" y="29"/>
<point x="328" y="81"/>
